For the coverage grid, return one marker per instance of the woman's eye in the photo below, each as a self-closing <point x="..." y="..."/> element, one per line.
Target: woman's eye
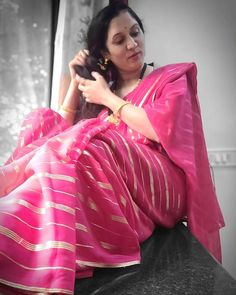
<point x="134" y="34"/>
<point x="120" y="41"/>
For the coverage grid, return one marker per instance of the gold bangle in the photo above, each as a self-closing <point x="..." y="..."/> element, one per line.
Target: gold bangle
<point x="68" y="110"/>
<point x="114" y="118"/>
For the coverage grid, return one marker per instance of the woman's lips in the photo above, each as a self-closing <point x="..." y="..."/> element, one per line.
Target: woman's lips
<point x="134" y="55"/>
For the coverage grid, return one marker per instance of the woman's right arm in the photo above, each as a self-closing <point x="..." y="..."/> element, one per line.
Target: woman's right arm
<point x="70" y="104"/>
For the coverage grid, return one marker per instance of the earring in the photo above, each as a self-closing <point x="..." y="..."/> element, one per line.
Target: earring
<point x="103" y="66"/>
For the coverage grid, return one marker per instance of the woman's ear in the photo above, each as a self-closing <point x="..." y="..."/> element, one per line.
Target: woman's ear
<point x="105" y="55"/>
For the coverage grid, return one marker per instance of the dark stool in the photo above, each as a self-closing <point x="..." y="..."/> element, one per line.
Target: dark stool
<point x="173" y="263"/>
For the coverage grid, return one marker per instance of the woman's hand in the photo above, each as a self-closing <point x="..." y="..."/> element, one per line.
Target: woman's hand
<point x="96" y="91"/>
<point x="70" y="103"/>
<point x="78" y="60"/>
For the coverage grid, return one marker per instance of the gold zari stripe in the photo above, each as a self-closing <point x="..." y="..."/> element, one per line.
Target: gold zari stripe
<point x="38" y="228"/>
<point x="85" y="246"/>
<point x="108" y="265"/>
<point x="119" y="219"/>
<point x="104" y="185"/>
<point x="47" y="205"/>
<point x="35" y="247"/>
<point x="36" y="268"/>
<point x="107" y="245"/>
<point x="81" y="227"/>
<point x="36" y="289"/>
<point x="56" y="176"/>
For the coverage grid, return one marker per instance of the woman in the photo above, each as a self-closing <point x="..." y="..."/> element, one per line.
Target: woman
<point x="79" y="195"/>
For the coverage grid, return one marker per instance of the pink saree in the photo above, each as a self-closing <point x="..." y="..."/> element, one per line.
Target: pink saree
<point x="75" y="198"/>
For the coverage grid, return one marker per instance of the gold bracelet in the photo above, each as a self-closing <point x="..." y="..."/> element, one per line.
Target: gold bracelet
<point x="68" y="110"/>
<point x="114" y="118"/>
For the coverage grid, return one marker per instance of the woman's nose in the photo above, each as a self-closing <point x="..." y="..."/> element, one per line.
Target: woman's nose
<point x="131" y="43"/>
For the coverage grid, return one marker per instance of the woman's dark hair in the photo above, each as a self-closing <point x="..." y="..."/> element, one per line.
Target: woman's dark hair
<point x="96" y="44"/>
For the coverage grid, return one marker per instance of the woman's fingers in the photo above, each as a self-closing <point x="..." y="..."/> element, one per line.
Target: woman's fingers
<point x="84" y="87"/>
<point x="84" y="53"/>
<point x="82" y="81"/>
<point x="79" y="59"/>
<point x="82" y="56"/>
<point x="96" y="75"/>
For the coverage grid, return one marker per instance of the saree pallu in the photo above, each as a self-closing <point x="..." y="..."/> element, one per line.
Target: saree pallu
<point x="85" y="196"/>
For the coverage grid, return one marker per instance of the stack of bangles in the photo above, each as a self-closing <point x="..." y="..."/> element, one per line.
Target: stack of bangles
<point x="67" y="109"/>
<point x="114" y="118"/>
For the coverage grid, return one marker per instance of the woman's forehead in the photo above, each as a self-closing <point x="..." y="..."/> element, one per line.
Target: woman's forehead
<point x="121" y="23"/>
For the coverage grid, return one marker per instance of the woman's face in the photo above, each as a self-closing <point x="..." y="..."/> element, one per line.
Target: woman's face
<point x="125" y="43"/>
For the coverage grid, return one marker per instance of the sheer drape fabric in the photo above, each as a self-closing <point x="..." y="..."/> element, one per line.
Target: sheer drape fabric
<point x="73" y="20"/>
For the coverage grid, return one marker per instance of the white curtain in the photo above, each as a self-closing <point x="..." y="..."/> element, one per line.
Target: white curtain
<point x="73" y="20"/>
<point x="25" y="47"/>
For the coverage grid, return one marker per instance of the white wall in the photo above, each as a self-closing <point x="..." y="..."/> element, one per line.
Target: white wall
<point x="204" y="31"/>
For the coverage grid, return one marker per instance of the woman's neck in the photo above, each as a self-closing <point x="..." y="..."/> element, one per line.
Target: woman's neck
<point x="126" y="78"/>
<point x="131" y="78"/>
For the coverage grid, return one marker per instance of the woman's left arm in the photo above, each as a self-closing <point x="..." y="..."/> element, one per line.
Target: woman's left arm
<point x="135" y="117"/>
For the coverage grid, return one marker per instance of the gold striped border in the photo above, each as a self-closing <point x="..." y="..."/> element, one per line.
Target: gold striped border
<point x="149" y="90"/>
<point x="35" y="247"/>
<point x="151" y="177"/>
<point x="120" y="219"/>
<point x="105" y="185"/>
<point x="42" y="210"/>
<point x="131" y="162"/>
<point x="89" y="174"/>
<point x="36" y="268"/>
<point x="81" y="227"/>
<point x="92" y="205"/>
<point x="108" y="265"/>
<point x="58" y="191"/>
<point x="109" y="231"/>
<point x="55" y="176"/>
<point x="80" y="196"/>
<point x="106" y="245"/>
<point x="36" y="289"/>
<point x="165" y="181"/>
<point x="123" y="200"/>
<point x="38" y="228"/>
<point x="84" y="246"/>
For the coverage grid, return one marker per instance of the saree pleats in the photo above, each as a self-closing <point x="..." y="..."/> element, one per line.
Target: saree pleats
<point x="75" y="198"/>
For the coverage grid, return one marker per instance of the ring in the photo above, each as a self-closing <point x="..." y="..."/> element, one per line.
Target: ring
<point x="85" y="96"/>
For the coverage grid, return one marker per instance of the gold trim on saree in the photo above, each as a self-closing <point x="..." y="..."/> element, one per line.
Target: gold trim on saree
<point x="55" y="176"/>
<point x="38" y="228"/>
<point x="35" y="247"/>
<point x="36" y="289"/>
<point x="36" y="268"/>
<point x="48" y="204"/>
<point x="107" y="265"/>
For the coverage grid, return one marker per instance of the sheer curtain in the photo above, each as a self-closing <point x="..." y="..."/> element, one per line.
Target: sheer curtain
<point x="73" y="20"/>
<point x="26" y="42"/>
<point x="25" y="47"/>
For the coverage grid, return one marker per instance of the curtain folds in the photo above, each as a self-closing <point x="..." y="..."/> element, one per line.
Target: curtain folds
<point x="25" y="47"/>
<point x="73" y="20"/>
